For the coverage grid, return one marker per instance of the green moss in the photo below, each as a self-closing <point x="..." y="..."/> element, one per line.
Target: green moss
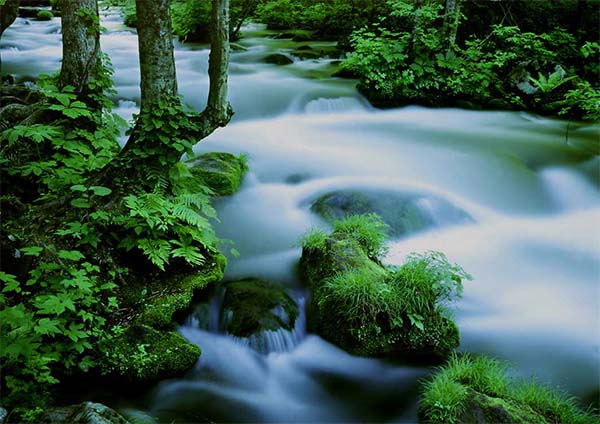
<point x="221" y="172"/>
<point x="176" y="294"/>
<point x="141" y="354"/>
<point x="478" y="390"/>
<point x="251" y="306"/>
<point x="368" y="309"/>
<point x="44" y="15"/>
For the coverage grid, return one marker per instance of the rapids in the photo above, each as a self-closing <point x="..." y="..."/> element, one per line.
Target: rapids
<point x="530" y="184"/>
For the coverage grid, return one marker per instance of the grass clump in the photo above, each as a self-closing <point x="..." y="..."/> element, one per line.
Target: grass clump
<point x="472" y="388"/>
<point x="44" y="15"/>
<point x="315" y="239"/>
<point x="368" y="230"/>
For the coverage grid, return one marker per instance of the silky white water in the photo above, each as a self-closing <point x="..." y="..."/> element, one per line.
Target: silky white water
<point x="530" y="185"/>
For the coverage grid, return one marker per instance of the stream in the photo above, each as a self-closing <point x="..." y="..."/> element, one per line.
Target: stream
<point x="529" y="184"/>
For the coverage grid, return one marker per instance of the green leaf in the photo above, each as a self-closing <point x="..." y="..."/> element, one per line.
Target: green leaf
<point x="31" y="250"/>
<point x="71" y="255"/>
<point x="101" y="191"/>
<point x="78" y="187"/>
<point x="10" y="282"/>
<point x="47" y="326"/>
<point x="80" y="203"/>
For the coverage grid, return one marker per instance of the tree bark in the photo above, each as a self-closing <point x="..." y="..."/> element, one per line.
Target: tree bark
<point x="157" y="62"/>
<point x="8" y="14"/>
<point x="81" y="43"/>
<point x="451" y="20"/>
<point x="218" y="108"/>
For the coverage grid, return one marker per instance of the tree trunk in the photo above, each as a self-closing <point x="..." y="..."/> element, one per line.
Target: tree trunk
<point x="157" y="63"/>
<point x="415" y="30"/>
<point x="8" y="14"/>
<point x="144" y="149"/>
<point x="451" y="20"/>
<point x="81" y="43"/>
<point x="218" y="106"/>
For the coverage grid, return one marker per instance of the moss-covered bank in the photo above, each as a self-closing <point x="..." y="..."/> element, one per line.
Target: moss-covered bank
<point x="477" y="390"/>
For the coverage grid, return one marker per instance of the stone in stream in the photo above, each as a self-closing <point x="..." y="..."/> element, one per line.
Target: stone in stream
<point x="221" y="172"/>
<point x="83" y="413"/>
<point x="278" y="59"/>
<point x="368" y="309"/>
<point x="252" y="306"/>
<point x="404" y="212"/>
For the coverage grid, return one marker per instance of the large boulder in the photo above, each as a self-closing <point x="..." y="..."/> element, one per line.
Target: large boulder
<point x="251" y="306"/>
<point x="221" y="172"/>
<point x="478" y="391"/>
<point x="404" y="212"/>
<point x="368" y="309"/>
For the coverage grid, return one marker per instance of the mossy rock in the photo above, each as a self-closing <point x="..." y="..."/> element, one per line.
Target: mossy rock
<point x="251" y="306"/>
<point x="477" y="390"/>
<point x="142" y="354"/>
<point x="404" y="212"/>
<point x="162" y="300"/>
<point x="361" y="306"/>
<point x="83" y="413"/>
<point x="221" y="172"/>
<point x="278" y="59"/>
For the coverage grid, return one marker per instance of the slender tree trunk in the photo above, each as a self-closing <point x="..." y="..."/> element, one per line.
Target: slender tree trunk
<point x="451" y="20"/>
<point x="81" y="43"/>
<point x="218" y="106"/>
<point x="157" y="63"/>
<point x="415" y="30"/>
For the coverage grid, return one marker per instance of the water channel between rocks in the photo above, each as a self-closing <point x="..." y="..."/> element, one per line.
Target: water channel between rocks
<point x="528" y="185"/>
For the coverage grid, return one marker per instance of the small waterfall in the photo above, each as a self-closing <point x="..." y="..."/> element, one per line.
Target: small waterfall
<point x="280" y="340"/>
<point x="209" y="316"/>
<point x="568" y="189"/>
<point x="325" y="105"/>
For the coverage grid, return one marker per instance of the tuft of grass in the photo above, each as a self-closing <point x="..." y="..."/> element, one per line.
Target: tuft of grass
<point x="368" y="230"/>
<point x="360" y="295"/>
<point x="428" y="281"/>
<point x="464" y="377"/>
<point x="314" y="240"/>
<point x="444" y="399"/>
<point x="552" y="403"/>
<point x="44" y="15"/>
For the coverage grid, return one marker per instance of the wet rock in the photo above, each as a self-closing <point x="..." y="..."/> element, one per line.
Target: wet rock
<point x="278" y="59"/>
<point x="366" y="308"/>
<point x="251" y="306"/>
<point x="84" y="413"/>
<point x="405" y="213"/>
<point x="297" y="178"/>
<point x="221" y="172"/>
<point x="142" y="354"/>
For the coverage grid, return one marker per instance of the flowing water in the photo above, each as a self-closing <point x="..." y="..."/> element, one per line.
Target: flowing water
<point x="530" y="186"/>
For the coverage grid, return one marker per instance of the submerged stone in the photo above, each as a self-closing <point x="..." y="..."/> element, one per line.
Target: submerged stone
<point x="221" y="172"/>
<point x="404" y="213"/>
<point x="251" y="306"/>
<point x="278" y="59"/>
